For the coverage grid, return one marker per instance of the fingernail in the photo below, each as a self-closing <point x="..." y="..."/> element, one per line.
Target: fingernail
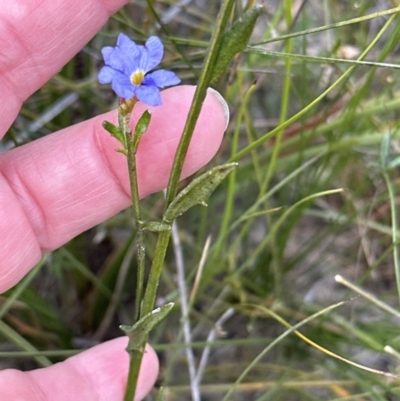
<point x="223" y="104"/>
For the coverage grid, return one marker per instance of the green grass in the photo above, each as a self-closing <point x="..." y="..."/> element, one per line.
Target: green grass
<point x="314" y="197"/>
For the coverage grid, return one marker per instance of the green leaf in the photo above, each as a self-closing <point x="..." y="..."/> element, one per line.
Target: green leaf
<point x="235" y="40"/>
<point x="141" y="128"/>
<point x="114" y="131"/>
<point x="157" y="226"/>
<point x="198" y="191"/>
<point x="139" y="332"/>
<point x="160" y="395"/>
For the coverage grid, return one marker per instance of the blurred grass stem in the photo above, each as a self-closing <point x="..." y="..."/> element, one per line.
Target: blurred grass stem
<point x="395" y="243"/>
<point x="302" y="112"/>
<point x="185" y="321"/>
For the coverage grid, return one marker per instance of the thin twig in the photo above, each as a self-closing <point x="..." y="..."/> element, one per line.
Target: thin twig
<point x="211" y="336"/>
<point x="180" y="268"/>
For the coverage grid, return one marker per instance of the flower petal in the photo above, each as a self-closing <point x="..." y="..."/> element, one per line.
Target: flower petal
<point x="106" y="75"/>
<point x="123" y="57"/>
<point x="155" y="51"/>
<point x="149" y="94"/>
<point x="108" y="53"/>
<point x="122" y="86"/>
<point x="130" y="51"/>
<point x="125" y="43"/>
<point x="163" y="78"/>
<point x="114" y="58"/>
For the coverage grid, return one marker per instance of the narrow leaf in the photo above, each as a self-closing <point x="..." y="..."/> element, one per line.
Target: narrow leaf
<point x="114" y="131"/>
<point x="141" y="128"/>
<point x="198" y="191"/>
<point x="160" y="395"/>
<point x="157" y="226"/>
<point x="139" y="332"/>
<point x="235" y="40"/>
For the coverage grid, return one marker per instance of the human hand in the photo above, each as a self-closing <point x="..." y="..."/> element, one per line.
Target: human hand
<point x="61" y="185"/>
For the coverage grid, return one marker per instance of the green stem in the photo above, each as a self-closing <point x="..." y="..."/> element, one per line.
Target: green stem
<point x="172" y="189"/>
<point x="155" y="271"/>
<point x="148" y="305"/>
<point x="199" y="96"/>
<point x="140" y="245"/>
<point x="130" y="147"/>
<point x="277" y="271"/>
<point x="135" y="361"/>
<point x="201" y="91"/>
<point x="392" y="200"/>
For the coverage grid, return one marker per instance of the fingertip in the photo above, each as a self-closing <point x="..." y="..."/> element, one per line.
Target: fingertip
<point x="99" y="373"/>
<point x="222" y="103"/>
<point x="107" y="367"/>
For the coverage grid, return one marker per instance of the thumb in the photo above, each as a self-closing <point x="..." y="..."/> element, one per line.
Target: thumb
<point x="98" y="374"/>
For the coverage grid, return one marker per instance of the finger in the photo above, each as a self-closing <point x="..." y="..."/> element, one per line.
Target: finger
<point x="97" y="374"/>
<point x="38" y="38"/>
<point x="61" y="185"/>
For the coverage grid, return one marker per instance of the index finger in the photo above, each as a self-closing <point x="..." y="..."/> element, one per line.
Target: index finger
<point x="38" y="38"/>
<point x="56" y="187"/>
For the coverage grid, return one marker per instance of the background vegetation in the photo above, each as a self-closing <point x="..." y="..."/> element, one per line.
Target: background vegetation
<point x="316" y="135"/>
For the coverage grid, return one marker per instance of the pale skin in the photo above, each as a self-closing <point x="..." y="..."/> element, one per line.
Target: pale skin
<point x="61" y="185"/>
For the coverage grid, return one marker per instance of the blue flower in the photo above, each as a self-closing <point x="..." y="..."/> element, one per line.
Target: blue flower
<point x="127" y="69"/>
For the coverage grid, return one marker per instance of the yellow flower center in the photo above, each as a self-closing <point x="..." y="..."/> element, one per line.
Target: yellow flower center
<point x="137" y="77"/>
